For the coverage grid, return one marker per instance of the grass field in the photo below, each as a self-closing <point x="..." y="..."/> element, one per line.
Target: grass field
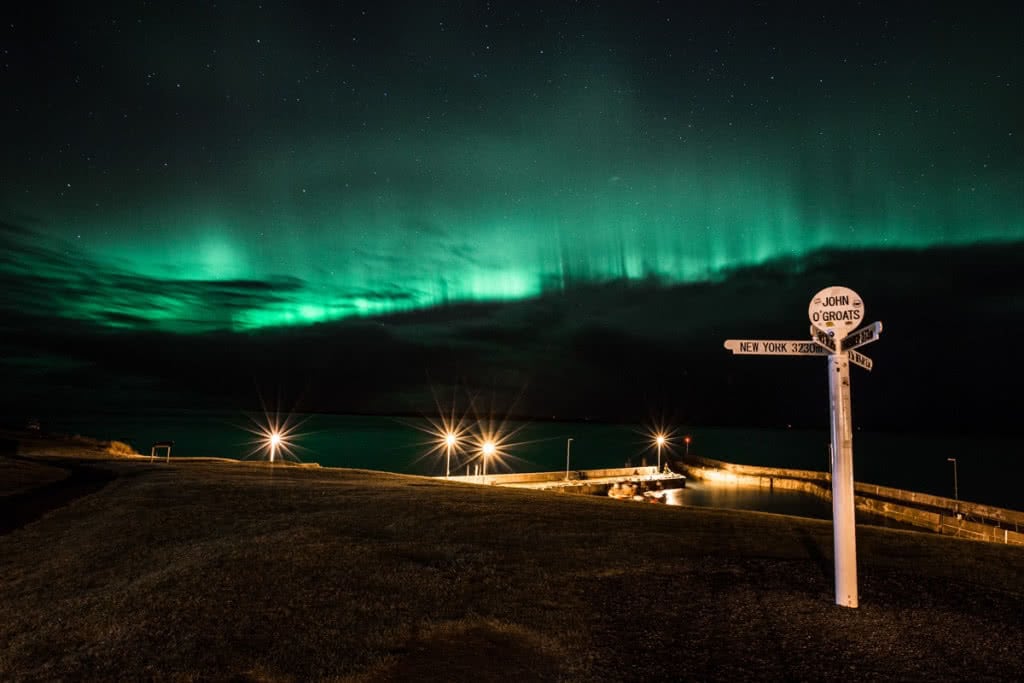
<point x="17" y="476"/>
<point x="207" y="570"/>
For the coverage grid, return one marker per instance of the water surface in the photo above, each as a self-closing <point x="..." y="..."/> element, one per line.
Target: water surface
<point x="988" y="468"/>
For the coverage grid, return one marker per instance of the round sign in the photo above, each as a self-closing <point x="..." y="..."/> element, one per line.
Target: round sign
<point x="836" y="310"/>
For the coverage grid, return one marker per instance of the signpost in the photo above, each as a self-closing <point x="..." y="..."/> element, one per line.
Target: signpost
<point x="835" y="313"/>
<point x="837" y="310"/>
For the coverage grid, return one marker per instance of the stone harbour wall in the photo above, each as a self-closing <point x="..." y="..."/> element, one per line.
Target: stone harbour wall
<point x="942" y="515"/>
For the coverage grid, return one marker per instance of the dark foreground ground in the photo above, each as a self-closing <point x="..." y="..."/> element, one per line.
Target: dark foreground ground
<point x="213" y="570"/>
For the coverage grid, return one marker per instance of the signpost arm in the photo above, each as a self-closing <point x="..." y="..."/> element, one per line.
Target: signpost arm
<point x="843" y="504"/>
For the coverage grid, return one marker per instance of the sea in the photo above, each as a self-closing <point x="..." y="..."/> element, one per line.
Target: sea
<point x="987" y="469"/>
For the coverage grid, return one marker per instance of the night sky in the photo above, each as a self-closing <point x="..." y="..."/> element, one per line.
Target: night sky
<point x="565" y="206"/>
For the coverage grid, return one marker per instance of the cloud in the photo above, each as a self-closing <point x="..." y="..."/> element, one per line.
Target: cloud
<point x="80" y="334"/>
<point x="55" y="279"/>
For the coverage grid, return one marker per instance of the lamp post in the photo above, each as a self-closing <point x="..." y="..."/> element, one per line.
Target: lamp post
<point x="661" y="442"/>
<point x="275" y="439"/>
<point x="687" y="442"/>
<point x="487" y="450"/>
<point x="956" y="483"/>
<point x="449" y="441"/>
<point x="568" y="445"/>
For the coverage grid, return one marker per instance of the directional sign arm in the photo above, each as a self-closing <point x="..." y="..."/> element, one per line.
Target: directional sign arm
<point x="774" y="347"/>
<point x="864" y="335"/>
<point x="858" y="358"/>
<point x="823" y="339"/>
<point x="794" y="347"/>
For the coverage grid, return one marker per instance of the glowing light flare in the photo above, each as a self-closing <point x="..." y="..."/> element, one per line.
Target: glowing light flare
<point x="490" y="444"/>
<point x="450" y="439"/>
<point x="446" y="434"/>
<point x="275" y="438"/>
<point x="488" y="449"/>
<point x="275" y="441"/>
<point x="469" y="437"/>
<point x="660" y="440"/>
<point x="658" y="436"/>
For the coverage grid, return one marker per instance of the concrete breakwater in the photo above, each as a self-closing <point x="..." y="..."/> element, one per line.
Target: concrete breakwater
<point x="516" y="478"/>
<point x="586" y="482"/>
<point x="936" y="513"/>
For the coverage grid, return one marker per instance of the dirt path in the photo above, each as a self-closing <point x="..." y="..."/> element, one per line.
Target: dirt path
<point x="19" y="509"/>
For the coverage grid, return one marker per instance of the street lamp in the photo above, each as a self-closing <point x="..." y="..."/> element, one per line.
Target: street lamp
<point x="660" y="440"/>
<point x="487" y="450"/>
<point x="449" y="441"/>
<point x="275" y="440"/>
<point x="568" y="445"/>
<point x="687" y="442"/>
<point x="956" y="483"/>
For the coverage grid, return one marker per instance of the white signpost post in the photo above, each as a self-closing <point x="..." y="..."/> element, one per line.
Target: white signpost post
<point x="835" y="313"/>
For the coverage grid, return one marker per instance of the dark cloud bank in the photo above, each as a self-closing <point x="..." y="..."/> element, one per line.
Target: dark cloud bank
<point x="616" y="351"/>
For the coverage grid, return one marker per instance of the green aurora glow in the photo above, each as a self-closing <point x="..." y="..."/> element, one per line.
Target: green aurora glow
<point x="516" y="224"/>
<point x="431" y="186"/>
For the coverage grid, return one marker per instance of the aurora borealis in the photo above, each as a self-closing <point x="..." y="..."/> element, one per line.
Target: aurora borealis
<point x="222" y="170"/>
